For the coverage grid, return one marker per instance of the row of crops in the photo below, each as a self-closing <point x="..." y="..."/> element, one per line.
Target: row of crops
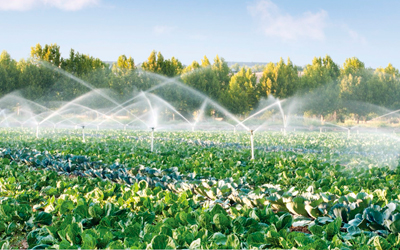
<point x="199" y="190"/>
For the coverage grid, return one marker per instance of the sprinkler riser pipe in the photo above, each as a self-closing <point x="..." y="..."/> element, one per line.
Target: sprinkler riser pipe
<point x="83" y="133"/>
<point x="37" y="131"/>
<point x="252" y="144"/>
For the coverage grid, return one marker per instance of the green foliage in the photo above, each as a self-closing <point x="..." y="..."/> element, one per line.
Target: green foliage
<point x="249" y="204"/>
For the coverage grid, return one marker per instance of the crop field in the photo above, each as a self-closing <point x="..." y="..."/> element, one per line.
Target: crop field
<point x="199" y="190"/>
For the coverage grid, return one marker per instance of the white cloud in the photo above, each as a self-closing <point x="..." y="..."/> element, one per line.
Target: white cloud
<point x="163" y="30"/>
<point x="357" y="38"/>
<point x="275" y="23"/>
<point x="17" y="4"/>
<point x="68" y="5"/>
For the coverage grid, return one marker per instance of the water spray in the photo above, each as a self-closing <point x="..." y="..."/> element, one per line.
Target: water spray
<point x="83" y="133"/>
<point x="152" y="139"/>
<point x="252" y="144"/>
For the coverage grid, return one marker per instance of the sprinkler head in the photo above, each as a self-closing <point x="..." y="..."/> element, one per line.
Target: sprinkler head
<point x="83" y="126"/>
<point x="251" y="131"/>
<point x="152" y="128"/>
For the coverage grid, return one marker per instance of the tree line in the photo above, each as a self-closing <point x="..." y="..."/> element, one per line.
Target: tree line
<point x="323" y="87"/>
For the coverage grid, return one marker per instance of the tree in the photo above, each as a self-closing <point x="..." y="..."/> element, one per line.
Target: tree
<point x="352" y="66"/>
<point x="9" y="74"/>
<point x="280" y="80"/>
<point x="125" y="63"/>
<point x="321" y="72"/>
<point x="205" y="62"/>
<point x="356" y="89"/>
<point x="203" y="79"/>
<point x="49" y="53"/>
<point x="157" y="64"/>
<point x="241" y="96"/>
<point x="222" y="71"/>
<point x="81" y="64"/>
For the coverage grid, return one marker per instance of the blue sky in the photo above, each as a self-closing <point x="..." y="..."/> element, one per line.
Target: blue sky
<point x="247" y="31"/>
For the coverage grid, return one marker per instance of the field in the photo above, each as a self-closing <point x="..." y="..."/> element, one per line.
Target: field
<point x="305" y="190"/>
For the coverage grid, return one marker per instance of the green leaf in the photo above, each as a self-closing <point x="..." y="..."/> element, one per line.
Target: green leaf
<point x="72" y="233"/>
<point x="380" y="243"/>
<point x="285" y="221"/>
<point x="41" y="246"/>
<point x="303" y="240"/>
<point x="66" y="207"/>
<point x="105" y="237"/>
<point x="219" y="238"/>
<point x="319" y="244"/>
<point x="237" y="227"/>
<point x="166" y="231"/>
<point x="232" y="242"/>
<point x="3" y="226"/>
<point x="256" y="239"/>
<point x="162" y="242"/>
<point x="43" y="218"/>
<point x="333" y="228"/>
<point x="191" y="218"/>
<point x="395" y="225"/>
<point x="221" y="221"/>
<point x="196" y="244"/>
<point x="115" y="245"/>
<point x="89" y="242"/>
<point x="82" y="211"/>
<point x="12" y="227"/>
<point x="132" y="231"/>
<point x="316" y="230"/>
<point x="341" y="211"/>
<point x="66" y="245"/>
<point x="96" y="211"/>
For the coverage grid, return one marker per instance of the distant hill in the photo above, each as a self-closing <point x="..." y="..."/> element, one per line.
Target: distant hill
<point x="248" y="64"/>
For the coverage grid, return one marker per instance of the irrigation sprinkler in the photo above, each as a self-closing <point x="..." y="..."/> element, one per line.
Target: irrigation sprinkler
<point x="320" y="130"/>
<point x="125" y="127"/>
<point x="83" y="134"/>
<point x="193" y="129"/>
<point x="152" y="139"/>
<point x="234" y="129"/>
<point x="348" y="133"/>
<point x="252" y="144"/>
<point x="37" y="130"/>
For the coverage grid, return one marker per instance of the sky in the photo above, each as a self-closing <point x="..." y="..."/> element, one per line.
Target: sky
<point x="239" y="31"/>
